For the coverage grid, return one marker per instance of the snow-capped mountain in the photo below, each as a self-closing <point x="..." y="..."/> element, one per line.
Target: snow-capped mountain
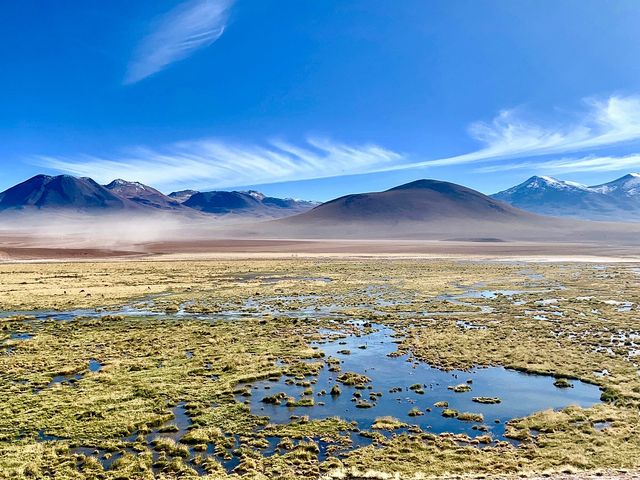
<point x="627" y="186"/>
<point x="143" y="195"/>
<point x="613" y="201"/>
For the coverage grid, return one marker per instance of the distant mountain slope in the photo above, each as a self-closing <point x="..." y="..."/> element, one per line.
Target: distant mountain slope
<point x="143" y="195"/>
<point x="618" y="200"/>
<point x="222" y="202"/>
<point x="627" y="186"/>
<point x="421" y="209"/>
<point x="249" y="203"/>
<point x="182" y="195"/>
<point x="65" y="192"/>
<point x="61" y="192"/>
<point x="419" y="201"/>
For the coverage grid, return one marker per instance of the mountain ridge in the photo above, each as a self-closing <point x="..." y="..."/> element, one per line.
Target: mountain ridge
<point x="143" y="194"/>
<point x="618" y="199"/>
<point x="68" y="193"/>
<point x="61" y="191"/>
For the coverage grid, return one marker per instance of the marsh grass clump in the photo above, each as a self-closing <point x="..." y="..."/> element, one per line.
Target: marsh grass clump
<point x="387" y="423"/>
<point x="275" y="399"/>
<point x="610" y="395"/>
<point x="562" y="383"/>
<point x="470" y="417"/>
<point x="461" y="388"/>
<point x="487" y="400"/>
<point x="354" y="379"/>
<point x="286" y="444"/>
<point x="486" y="439"/>
<point x="170" y="447"/>
<point x="168" y="428"/>
<point x="417" y="388"/>
<point x="301" y="402"/>
<point x="203" y="435"/>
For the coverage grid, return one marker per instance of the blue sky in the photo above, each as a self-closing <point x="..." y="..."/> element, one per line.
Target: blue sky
<point x="315" y="99"/>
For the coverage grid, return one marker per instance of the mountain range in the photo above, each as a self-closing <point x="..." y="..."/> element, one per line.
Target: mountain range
<point x="430" y="202"/>
<point x="72" y="210"/>
<point x="68" y="193"/>
<point x="618" y="200"/>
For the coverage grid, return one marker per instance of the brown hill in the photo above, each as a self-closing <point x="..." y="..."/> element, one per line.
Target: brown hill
<point x="434" y="210"/>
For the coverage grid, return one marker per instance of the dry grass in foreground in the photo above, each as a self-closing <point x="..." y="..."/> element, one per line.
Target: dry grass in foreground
<point x="195" y="331"/>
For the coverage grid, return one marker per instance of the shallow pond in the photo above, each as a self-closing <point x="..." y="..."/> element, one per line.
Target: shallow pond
<point x="520" y="394"/>
<point x="94" y="365"/>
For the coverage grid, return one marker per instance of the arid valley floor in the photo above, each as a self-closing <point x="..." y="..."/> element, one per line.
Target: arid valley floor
<point x="318" y="368"/>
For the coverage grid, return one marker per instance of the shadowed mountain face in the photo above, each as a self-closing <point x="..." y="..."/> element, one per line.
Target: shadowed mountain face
<point x="143" y="195"/>
<point x="222" y="202"/>
<point x="618" y="200"/>
<point x="419" y="201"/>
<point x="65" y="192"/>
<point x="61" y="192"/>
<point x="420" y="209"/>
<point x="246" y="203"/>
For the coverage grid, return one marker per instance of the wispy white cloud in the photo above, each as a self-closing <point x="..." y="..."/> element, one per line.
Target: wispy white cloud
<point x="604" y="123"/>
<point x="211" y="163"/>
<point x="582" y="164"/>
<point x="216" y="163"/>
<point x="190" y="26"/>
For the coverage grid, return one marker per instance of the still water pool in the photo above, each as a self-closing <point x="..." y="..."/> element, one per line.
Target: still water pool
<point x="520" y="394"/>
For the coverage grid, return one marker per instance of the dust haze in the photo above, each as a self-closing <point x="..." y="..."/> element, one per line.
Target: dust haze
<point x="77" y="235"/>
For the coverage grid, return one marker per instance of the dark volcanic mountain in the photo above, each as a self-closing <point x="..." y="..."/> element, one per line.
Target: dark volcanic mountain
<point x="182" y="195"/>
<point x="143" y="195"/>
<point x="222" y="202"/>
<point x="420" y="209"/>
<point x="65" y="192"/>
<point x="61" y="192"/>
<point x="618" y="200"/>
<point x="249" y="203"/>
<point x="419" y="201"/>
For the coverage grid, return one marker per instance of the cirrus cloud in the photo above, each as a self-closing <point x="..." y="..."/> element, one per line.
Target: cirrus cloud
<point x="604" y="123"/>
<point x="212" y="163"/>
<point x="190" y="26"/>
<point x="217" y="163"/>
<point x="590" y="163"/>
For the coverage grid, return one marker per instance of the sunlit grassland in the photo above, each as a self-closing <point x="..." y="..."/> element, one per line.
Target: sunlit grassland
<point x="258" y="320"/>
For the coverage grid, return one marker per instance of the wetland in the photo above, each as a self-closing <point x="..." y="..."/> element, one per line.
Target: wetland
<point x="318" y="368"/>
